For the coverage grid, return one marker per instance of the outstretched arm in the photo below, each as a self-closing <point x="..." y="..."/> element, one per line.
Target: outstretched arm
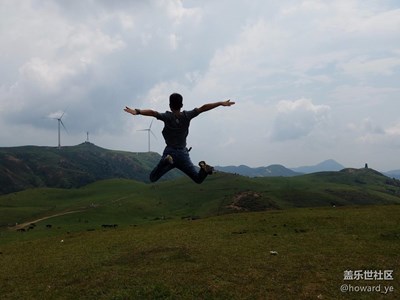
<point x="144" y="112"/>
<point x="210" y="106"/>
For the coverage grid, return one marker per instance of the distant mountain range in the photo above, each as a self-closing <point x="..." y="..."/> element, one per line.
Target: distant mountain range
<point x="270" y="171"/>
<point x="279" y="170"/>
<point x="393" y="174"/>
<point x="329" y="165"/>
<point x="74" y="166"/>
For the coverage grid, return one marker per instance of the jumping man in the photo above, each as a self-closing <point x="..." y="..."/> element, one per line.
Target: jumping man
<point x="176" y="129"/>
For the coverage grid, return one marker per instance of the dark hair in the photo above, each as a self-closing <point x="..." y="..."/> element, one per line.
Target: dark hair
<point x="175" y="101"/>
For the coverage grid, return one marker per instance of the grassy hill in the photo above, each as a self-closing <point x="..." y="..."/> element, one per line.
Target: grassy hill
<point x="68" y="167"/>
<point x="285" y="254"/>
<point x="232" y="237"/>
<point x="346" y="187"/>
<point x="127" y="202"/>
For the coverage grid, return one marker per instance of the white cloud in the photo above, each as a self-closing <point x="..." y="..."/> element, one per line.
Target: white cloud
<point x="178" y="13"/>
<point x="43" y="75"/>
<point x="95" y="57"/>
<point x="57" y="114"/>
<point x="361" y="96"/>
<point x="296" y="119"/>
<point x="174" y="41"/>
<point x="366" y="127"/>
<point x="394" y="131"/>
<point x="370" y="134"/>
<point x="363" y="67"/>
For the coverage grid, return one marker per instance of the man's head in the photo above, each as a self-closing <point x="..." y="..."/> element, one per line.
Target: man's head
<point x="175" y="101"/>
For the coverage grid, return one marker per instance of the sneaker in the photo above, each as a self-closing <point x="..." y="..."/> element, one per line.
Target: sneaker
<point x="169" y="159"/>
<point x="206" y="168"/>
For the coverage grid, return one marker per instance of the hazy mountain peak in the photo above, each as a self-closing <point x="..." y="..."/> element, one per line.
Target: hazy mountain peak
<point x="326" y="165"/>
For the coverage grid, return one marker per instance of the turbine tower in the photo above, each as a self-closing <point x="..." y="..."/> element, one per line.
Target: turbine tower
<point x="148" y="133"/>
<point x="60" y="123"/>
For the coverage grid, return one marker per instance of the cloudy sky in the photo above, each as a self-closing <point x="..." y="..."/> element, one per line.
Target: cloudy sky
<point x="312" y="80"/>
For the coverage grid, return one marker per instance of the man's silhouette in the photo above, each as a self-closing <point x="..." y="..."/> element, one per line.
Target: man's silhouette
<point x="175" y="132"/>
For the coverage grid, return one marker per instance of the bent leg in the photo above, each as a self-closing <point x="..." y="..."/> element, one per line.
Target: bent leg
<point x="196" y="176"/>
<point x="185" y="165"/>
<point x="162" y="168"/>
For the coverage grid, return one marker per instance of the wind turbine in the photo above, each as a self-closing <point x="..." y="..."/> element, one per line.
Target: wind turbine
<point x="148" y="133"/>
<point x="60" y="123"/>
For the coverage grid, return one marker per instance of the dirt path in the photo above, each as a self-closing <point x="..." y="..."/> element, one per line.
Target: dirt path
<point x="23" y="225"/>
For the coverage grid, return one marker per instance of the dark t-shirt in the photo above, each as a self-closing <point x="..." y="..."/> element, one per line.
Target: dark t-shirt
<point x="176" y="128"/>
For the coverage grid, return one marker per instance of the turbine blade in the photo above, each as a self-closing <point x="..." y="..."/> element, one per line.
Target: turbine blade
<point x="151" y="123"/>
<point x="64" y="111"/>
<point x="65" y="128"/>
<point x="153" y="134"/>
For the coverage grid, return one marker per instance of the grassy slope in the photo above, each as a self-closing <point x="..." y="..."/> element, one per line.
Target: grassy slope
<point x="121" y="201"/>
<point x="130" y="202"/>
<point x="225" y="257"/>
<point x="221" y="257"/>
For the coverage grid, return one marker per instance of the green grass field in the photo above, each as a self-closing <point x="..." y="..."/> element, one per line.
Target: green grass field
<point x="179" y="240"/>
<point x="223" y="257"/>
<point x="129" y="202"/>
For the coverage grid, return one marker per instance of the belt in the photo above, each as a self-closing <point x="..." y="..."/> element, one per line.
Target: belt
<point x="180" y="148"/>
